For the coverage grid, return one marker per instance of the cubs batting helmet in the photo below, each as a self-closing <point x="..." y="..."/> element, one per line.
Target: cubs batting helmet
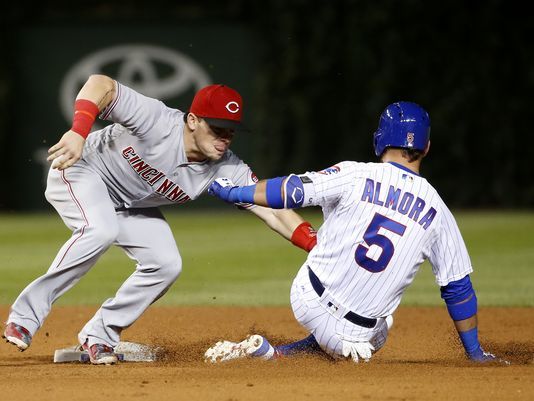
<point x="402" y="125"/>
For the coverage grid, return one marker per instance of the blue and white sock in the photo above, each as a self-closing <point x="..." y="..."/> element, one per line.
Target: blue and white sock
<point x="307" y="345"/>
<point x="266" y="350"/>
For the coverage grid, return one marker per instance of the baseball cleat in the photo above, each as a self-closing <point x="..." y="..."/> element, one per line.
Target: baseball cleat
<point x="18" y="336"/>
<point x="100" y="354"/>
<point x="253" y="346"/>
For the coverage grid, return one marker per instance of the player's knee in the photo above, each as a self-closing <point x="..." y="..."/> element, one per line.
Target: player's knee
<point x="103" y="236"/>
<point x="381" y="335"/>
<point x="49" y="195"/>
<point x="170" y="268"/>
<point x="173" y="271"/>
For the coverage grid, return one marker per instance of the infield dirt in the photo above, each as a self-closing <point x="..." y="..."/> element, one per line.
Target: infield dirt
<point x="422" y="360"/>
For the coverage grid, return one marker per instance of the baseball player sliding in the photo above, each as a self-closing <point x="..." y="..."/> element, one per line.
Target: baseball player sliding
<point x="107" y="186"/>
<point x="381" y="221"/>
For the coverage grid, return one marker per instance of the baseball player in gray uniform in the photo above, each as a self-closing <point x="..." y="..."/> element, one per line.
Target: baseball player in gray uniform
<point x="107" y="186"/>
<point x="381" y="221"/>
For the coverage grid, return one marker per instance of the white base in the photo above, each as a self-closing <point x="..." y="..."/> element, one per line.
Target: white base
<point x="126" y="352"/>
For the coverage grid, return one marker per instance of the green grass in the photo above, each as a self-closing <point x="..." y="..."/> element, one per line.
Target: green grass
<point x="233" y="259"/>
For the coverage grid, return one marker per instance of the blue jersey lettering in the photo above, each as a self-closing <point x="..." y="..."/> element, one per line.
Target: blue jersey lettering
<point x="395" y="199"/>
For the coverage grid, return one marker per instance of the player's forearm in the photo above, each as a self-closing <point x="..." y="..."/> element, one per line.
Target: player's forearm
<point x="287" y="223"/>
<point x="96" y="94"/>
<point x="284" y="222"/>
<point x="275" y="193"/>
<point x="462" y="306"/>
<point x="99" y="89"/>
<point x="466" y="324"/>
<point x="468" y="333"/>
<point x="271" y="194"/>
<point x="260" y="194"/>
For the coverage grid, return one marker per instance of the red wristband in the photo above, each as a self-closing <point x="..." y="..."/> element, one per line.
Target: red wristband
<point x="304" y="236"/>
<point x="85" y="113"/>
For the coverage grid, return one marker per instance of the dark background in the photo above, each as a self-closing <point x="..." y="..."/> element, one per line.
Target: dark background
<point x="323" y="72"/>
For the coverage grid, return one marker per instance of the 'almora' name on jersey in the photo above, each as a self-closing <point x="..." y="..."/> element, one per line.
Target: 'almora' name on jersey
<point x="404" y="203"/>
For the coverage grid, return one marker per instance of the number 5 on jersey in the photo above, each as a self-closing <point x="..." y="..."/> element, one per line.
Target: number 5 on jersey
<point x="372" y="237"/>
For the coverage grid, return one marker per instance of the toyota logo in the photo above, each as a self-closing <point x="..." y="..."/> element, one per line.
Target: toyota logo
<point x="137" y="68"/>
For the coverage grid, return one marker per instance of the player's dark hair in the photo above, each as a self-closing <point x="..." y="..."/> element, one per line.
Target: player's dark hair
<point x="409" y="154"/>
<point x="412" y="154"/>
<point x="185" y="116"/>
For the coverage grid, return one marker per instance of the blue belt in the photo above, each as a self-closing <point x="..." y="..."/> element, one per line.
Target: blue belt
<point x="350" y="316"/>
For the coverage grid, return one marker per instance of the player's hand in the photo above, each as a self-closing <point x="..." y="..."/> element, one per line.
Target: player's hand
<point x="67" y="151"/>
<point x="357" y="350"/>
<point x="221" y="188"/>
<point x="482" y="356"/>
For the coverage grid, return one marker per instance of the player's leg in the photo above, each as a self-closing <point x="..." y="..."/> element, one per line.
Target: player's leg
<point x="306" y="312"/>
<point x="336" y="335"/>
<point x="259" y="347"/>
<point x="81" y="199"/>
<point x="330" y="334"/>
<point x="147" y="238"/>
<point x="307" y="346"/>
<point x="381" y="333"/>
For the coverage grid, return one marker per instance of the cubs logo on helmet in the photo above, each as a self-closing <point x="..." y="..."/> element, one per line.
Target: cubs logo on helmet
<point x="409" y="139"/>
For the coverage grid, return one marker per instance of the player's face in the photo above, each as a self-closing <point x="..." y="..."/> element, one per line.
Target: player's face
<point x="213" y="142"/>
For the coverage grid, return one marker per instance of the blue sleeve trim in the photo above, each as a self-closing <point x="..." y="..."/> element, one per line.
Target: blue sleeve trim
<point x="463" y="310"/>
<point x="460" y="298"/>
<point x="457" y="291"/>
<point x="274" y="193"/>
<point x="246" y="194"/>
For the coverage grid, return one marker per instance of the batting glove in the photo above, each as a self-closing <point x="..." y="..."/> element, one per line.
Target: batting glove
<point x="222" y="188"/>
<point x="358" y="350"/>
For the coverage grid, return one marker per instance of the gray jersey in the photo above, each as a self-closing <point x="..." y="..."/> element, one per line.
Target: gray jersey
<point x="141" y="163"/>
<point x="142" y="158"/>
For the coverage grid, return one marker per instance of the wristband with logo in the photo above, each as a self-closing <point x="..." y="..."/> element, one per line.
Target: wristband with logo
<point x="304" y="236"/>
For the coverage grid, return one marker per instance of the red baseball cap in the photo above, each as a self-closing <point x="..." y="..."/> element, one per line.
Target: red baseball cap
<point x="220" y="105"/>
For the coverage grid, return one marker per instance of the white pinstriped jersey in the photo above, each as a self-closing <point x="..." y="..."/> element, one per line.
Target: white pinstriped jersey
<point x="142" y="158"/>
<point x="381" y="221"/>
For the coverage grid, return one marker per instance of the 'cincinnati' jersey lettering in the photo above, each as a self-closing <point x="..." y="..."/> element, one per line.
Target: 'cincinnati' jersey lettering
<point x="149" y="174"/>
<point x="149" y="136"/>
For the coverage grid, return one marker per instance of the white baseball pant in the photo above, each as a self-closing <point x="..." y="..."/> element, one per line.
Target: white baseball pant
<point x="333" y="332"/>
